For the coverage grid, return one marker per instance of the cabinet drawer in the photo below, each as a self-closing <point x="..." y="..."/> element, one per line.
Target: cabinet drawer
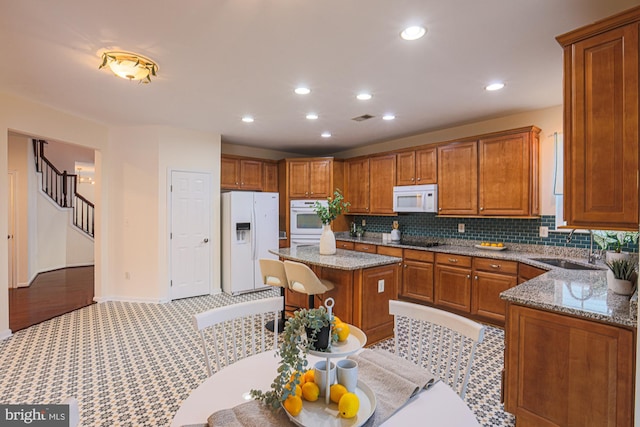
<point x="416" y="255"/>
<point x="528" y="272"/>
<point x="495" y="265"/>
<point x="365" y="247"/>
<point x="341" y="244"/>
<point x="455" y="260"/>
<point x="386" y="250"/>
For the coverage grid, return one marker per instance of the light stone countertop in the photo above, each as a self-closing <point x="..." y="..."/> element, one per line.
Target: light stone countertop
<point x="342" y="260"/>
<point x="581" y="293"/>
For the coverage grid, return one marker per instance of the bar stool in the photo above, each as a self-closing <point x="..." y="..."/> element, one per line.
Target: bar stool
<point x="273" y="274"/>
<point x="302" y="279"/>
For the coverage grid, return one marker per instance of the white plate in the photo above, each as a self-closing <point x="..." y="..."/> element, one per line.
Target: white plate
<point x="322" y="415"/>
<point x="354" y="342"/>
<point x="491" y="248"/>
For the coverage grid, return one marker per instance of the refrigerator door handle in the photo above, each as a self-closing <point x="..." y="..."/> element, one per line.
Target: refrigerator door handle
<point x="253" y="231"/>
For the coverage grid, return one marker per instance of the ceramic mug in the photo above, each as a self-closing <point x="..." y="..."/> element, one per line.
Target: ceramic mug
<point x="321" y="375"/>
<point x="348" y="374"/>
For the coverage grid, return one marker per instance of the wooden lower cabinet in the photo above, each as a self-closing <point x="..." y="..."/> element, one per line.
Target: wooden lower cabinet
<point x="490" y="278"/>
<point x="343" y="244"/>
<point x="527" y="272"/>
<point x="566" y="371"/>
<point x="365" y="247"/>
<point x="417" y="275"/>
<point x="453" y="282"/>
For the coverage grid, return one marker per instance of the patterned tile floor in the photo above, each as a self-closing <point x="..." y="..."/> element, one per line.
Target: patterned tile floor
<point x="132" y="364"/>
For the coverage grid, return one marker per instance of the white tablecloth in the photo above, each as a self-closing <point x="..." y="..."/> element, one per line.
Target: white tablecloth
<point x="438" y="406"/>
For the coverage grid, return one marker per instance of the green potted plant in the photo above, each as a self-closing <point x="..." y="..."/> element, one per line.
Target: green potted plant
<point x="336" y="205"/>
<point x="621" y="276"/>
<point x="613" y="241"/>
<point x="301" y="332"/>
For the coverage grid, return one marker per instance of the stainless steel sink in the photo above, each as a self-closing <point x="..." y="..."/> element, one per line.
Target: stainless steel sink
<point x="563" y="263"/>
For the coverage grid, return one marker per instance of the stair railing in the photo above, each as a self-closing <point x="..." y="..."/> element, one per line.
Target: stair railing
<point x="61" y="187"/>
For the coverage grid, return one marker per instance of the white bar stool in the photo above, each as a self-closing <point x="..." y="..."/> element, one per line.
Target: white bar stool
<point x="302" y="279"/>
<point x="273" y="274"/>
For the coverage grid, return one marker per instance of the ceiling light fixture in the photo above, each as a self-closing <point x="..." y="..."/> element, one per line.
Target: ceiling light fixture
<point x="388" y="117"/>
<point x="130" y="66"/>
<point x="494" y="86"/>
<point x="326" y="134"/>
<point x="302" y="90"/>
<point x="413" y="33"/>
<point x="247" y="119"/>
<point x="312" y="116"/>
<point x="364" y="96"/>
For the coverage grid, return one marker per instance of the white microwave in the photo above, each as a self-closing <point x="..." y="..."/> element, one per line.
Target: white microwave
<point x="415" y="198"/>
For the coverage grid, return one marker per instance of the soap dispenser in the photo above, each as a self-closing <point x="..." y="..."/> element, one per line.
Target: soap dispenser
<point x="395" y="233"/>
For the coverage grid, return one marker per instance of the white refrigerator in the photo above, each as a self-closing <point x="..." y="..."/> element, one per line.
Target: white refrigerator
<point x="249" y="230"/>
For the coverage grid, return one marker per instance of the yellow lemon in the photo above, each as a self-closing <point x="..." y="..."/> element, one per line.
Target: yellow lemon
<point x="336" y="319"/>
<point x="349" y="405"/>
<point x="310" y="376"/>
<point x="293" y="405"/>
<point x="342" y="329"/>
<point x="310" y="391"/>
<point x="296" y="391"/>
<point x="336" y="392"/>
<point x="301" y="379"/>
<point x="500" y="245"/>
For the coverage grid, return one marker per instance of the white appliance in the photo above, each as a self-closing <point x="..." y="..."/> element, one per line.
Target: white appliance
<point x="249" y="231"/>
<point x="415" y="198"/>
<point x="305" y="226"/>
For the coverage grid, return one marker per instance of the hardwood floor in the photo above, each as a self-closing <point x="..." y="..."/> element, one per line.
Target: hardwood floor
<point x="51" y="294"/>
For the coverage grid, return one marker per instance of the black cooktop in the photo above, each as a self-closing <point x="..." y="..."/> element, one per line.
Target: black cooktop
<point x="419" y="244"/>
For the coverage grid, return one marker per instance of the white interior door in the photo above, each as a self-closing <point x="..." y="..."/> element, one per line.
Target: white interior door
<point x="190" y="234"/>
<point x="11" y="240"/>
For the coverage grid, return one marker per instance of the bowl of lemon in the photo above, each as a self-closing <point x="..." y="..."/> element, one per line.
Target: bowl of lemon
<point x="491" y="246"/>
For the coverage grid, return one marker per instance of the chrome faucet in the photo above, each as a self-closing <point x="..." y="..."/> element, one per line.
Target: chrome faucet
<point x="592" y="256"/>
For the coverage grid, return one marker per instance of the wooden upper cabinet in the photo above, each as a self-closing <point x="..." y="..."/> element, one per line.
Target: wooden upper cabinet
<point x="382" y="174"/>
<point x="458" y="178"/>
<point x="270" y="180"/>
<point x="417" y="167"/>
<point x="508" y="174"/>
<point x="601" y="123"/>
<point x="357" y="185"/>
<point x="240" y="174"/>
<point x="320" y="178"/>
<point x="310" y="178"/>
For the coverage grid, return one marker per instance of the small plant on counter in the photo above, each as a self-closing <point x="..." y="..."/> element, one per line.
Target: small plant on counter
<point x="622" y="269"/>
<point x="336" y="206"/>
<point x="298" y="337"/>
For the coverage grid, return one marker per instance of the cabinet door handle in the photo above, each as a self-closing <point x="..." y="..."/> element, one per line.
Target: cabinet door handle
<point x="312" y="193"/>
<point x="405" y="266"/>
<point x="439" y="209"/>
<point x="494" y="265"/>
<point x="418" y="179"/>
<point x="468" y="276"/>
<point x="476" y="277"/>
<point x="412" y="178"/>
<point x="453" y="260"/>
<point x="481" y="208"/>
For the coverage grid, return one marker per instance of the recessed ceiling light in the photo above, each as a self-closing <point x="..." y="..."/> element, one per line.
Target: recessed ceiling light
<point x="302" y="90"/>
<point x="388" y="117"/>
<point x="247" y="119"/>
<point x="326" y="134"/>
<point x="312" y="116"/>
<point x="364" y="96"/>
<point x="494" y="86"/>
<point x="413" y="33"/>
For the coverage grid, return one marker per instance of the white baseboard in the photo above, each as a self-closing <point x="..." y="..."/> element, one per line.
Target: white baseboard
<point x="131" y="299"/>
<point x="5" y="334"/>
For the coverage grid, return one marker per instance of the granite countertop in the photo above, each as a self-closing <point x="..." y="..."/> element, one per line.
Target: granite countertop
<point x="342" y="260"/>
<point x="582" y="293"/>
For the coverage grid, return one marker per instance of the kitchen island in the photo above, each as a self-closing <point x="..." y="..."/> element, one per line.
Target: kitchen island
<point x="364" y="284"/>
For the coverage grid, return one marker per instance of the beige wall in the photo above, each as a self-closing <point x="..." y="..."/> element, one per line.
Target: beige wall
<point x="260" y="153"/>
<point x="18" y="164"/>
<point x="549" y="120"/>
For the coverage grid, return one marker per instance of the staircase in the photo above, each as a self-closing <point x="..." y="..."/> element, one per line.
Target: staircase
<point x="61" y="188"/>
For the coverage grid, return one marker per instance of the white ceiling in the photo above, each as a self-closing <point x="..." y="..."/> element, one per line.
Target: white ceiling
<point x="221" y="59"/>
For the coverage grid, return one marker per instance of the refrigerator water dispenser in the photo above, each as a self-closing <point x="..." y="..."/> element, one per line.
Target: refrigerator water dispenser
<point x="243" y="232"/>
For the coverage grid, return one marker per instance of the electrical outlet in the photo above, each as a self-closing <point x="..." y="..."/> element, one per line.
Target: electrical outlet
<point x="380" y="286"/>
<point x="544" y="231"/>
<point x="364" y="222"/>
<point x="460" y="228"/>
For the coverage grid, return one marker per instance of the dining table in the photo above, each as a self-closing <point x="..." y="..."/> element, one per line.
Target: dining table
<point x="439" y="405"/>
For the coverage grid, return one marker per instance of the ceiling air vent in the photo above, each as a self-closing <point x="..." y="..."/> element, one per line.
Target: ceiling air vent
<point x="362" y="118"/>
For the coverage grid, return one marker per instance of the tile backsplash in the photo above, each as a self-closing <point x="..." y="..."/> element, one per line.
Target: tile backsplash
<point x="520" y="231"/>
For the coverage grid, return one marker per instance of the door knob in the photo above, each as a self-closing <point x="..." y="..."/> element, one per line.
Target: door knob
<point x="206" y="240"/>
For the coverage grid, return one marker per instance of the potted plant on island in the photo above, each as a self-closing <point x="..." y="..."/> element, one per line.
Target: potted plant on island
<point x="621" y="276"/>
<point x="336" y="206"/>
<point x="302" y="332"/>
<point x="613" y="241"/>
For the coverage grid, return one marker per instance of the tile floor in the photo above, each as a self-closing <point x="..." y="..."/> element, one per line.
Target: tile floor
<point x="131" y="364"/>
